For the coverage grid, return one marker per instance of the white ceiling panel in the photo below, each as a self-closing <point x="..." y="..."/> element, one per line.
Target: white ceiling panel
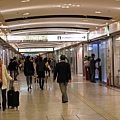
<point x="56" y="16"/>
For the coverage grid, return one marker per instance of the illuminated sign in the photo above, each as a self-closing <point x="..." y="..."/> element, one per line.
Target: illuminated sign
<point x="70" y="38"/>
<point x="36" y="50"/>
<point x="62" y="38"/>
<point x="98" y="33"/>
<point x="28" y="37"/>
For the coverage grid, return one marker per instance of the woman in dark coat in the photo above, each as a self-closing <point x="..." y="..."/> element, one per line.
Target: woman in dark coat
<point x="40" y="69"/>
<point x="28" y="71"/>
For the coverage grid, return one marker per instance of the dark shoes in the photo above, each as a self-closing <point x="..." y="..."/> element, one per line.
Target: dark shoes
<point x="29" y="88"/>
<point x="64" y="101"/>
<point x="4" y="109"/>
<point x="41" y="88"/>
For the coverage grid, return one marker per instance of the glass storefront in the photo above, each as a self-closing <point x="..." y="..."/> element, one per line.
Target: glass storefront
<point x="103" y="56"/>
<point x="100" y="49"/>
<point x="117" y="61"/>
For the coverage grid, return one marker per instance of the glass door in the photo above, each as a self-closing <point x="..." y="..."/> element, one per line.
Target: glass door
<point x="104" y="55"/>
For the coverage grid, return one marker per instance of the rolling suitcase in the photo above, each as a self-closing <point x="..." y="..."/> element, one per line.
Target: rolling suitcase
<point x="13" y="96"/>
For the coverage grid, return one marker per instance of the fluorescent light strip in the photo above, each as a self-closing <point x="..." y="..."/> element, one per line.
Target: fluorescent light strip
<point x="26" y="8"/>
<point x="42" y="23"/>
<point x="25" y="32"/>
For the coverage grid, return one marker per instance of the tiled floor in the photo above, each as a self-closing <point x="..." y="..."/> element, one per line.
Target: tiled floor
<point x="87" y="101"/>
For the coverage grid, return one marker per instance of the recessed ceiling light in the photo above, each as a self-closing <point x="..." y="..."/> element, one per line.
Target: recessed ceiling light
<point x="25" y="0"/>
<point x="65" y="6"/>
<point x="98" y="12"/>
<point x="113" y="20"/>
<point x="56" y="5"/>
<point x="26" y="13"/>
<point x="77" y="5"/>
<point x="117" y="0"/>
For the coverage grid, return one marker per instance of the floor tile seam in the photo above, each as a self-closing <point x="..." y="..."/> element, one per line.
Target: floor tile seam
<point x="92" y="105"/>
<point x="110" y="87"/>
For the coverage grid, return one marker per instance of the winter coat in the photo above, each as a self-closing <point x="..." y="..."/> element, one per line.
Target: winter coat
<point x="28" y="68"/>
<point x="5" y="77"/>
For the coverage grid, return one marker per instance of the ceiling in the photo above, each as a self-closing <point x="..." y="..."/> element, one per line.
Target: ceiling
<point x="49" y="17"/>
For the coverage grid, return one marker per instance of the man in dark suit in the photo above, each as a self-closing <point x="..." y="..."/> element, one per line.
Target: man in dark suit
<point x="92" y="68"/>
<point x="63" y="74"/>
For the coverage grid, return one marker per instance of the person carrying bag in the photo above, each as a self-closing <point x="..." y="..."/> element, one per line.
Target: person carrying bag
<point x="4" y="76"/>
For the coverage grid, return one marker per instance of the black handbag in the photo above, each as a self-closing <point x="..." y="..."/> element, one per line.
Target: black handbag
<point x="0" y="84"/>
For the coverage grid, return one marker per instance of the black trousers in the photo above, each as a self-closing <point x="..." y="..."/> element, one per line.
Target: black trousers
<point x="92" y="76"/>
<point x="3" y="98"/>
<point x="41" y="82"/>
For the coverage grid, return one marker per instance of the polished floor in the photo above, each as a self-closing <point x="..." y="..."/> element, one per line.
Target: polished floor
<point x="87" y="101"/>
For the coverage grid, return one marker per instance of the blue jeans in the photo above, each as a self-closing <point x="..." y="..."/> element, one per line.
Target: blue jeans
<point x="29" y="79"/>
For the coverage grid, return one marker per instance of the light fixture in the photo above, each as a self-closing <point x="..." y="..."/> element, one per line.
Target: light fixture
<point x="117" y="0"/>
<point x="25" y="0"/>
<point x="26" y="13"/>
<point x="56" y="5"/>
<point x="77" y="5"/>
<point x="113" y="20"/>
<point x="65" y="6"/>
<point x="106" y="23"/>
<point x="97" y="12"/>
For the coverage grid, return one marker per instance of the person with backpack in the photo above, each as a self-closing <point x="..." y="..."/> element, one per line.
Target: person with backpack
<point x="10" y="67"/>
<point x="28" y="71"/>
<point x="40" y="69"/>
<point x="15" y="66"/>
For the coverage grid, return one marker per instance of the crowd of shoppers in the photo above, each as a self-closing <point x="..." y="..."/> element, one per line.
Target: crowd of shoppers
<point x="39" y="66"/>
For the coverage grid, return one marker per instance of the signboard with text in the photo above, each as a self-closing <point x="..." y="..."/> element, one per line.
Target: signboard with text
<point x="55" y="38"/>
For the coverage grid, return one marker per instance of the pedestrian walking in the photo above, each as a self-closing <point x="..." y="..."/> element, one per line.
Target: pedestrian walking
<point x="63" y="75"/>
<point x="28" y="71"/>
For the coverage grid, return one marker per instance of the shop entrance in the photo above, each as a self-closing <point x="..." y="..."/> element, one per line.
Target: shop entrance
<point x="100" y="49"/>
